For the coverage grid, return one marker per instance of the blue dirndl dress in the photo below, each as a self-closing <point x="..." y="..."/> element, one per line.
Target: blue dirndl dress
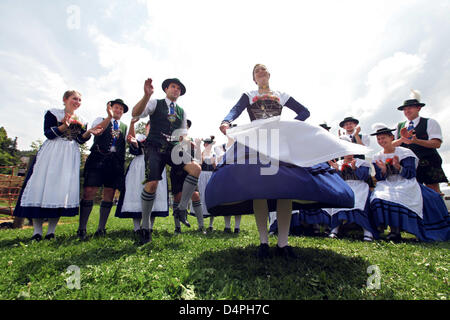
<point x="398" y="200"/>
<point x="245" y="174"/>
<point x="359" y="214"/>
<point x="52" y="186"/>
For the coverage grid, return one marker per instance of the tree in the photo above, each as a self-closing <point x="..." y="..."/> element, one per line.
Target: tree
<point x="9" y="155"/>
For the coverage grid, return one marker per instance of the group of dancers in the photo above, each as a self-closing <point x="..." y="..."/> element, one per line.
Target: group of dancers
<point x="299" y="172"/>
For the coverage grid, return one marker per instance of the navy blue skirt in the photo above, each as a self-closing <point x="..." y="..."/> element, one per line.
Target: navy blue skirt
<point x="435" y="225"/>
<point x="233" y="187"/>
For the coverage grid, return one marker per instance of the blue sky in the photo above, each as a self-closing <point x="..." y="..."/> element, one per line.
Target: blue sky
<point x="338" y="58"/>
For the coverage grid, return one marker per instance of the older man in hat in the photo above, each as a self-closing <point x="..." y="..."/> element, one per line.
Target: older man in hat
<point x="168" y="128"/>
<point x="423" y="136"/>
<point x="104" y="166"/>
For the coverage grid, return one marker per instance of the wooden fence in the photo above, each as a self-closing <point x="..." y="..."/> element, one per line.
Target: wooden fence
<point x="10" y="186"/>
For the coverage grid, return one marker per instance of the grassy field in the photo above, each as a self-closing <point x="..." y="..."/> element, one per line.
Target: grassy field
<point x="214" y="266"/>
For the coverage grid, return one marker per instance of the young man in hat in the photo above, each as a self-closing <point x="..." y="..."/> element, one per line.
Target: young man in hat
<point x="353" y="131"/>
<point x="104" y="166"/>
<point x="423" y="136"/>
<point x="168" y="128"/>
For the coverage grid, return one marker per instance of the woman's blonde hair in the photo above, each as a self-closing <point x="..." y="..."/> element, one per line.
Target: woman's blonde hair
<point x="70" y="93"/>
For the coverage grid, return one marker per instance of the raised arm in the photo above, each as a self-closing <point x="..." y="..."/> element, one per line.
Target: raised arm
<point x="140" y="106"/>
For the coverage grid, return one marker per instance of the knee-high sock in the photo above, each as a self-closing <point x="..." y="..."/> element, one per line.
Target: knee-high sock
<point x="189" y="185"/>
<point x="197" y="205"/>
<point x="261" y="215"/>
<point x="284" y="214"/>
<point x="85" y="211"/>
<point x="335" y="230"/>
<point x="147" y="200"/>
<point x="105" y="209"/>
<point x="137" y="224"/>
<point x="152" y="221"/>
<point x="52" y="222"/>
<point x="37" y="226"/>
<point x="175" y="219"/>
<point x="237" y="222"/>
<point x="227" y="221"/>
<point x="211" y="220"/>
<point x="367" y="233"/>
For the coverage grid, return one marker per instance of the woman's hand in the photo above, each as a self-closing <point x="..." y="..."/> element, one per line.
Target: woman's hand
<point x="396" y="162"/>
<point x="353" y="164"/>
<point x="333" y="164"/>
<point x="380" y="164"/>
<point x="96" y="130"/>
<point x="224" y="127"/>
<point x="132" y="140"/>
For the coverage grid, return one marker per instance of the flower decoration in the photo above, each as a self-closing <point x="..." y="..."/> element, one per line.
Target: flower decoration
<point x="266" y="97"/>
<point x="389" y="161"/>
<point x="345" y="166"/>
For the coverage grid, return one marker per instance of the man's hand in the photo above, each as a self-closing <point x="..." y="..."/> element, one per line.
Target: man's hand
<point x="148" y="87"/>
<point x="109" y="110"/>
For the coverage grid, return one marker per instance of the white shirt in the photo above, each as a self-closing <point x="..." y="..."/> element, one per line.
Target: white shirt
<point x="433" y="128"/>
<point x="365" y="138"/>
<point x="151" y="106"/>
<point x="99" y="120"/>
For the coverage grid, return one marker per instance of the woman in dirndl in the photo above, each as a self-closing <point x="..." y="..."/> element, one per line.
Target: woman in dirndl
<point x="398" y="200"/>
<point x="276" y="165"/>
<point x="52" y="186"/>
<point x="355" y="172"/>
<point x="129" y="205"/>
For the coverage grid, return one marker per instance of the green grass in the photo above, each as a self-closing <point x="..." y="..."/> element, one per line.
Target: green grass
<point x="213" y="266"/>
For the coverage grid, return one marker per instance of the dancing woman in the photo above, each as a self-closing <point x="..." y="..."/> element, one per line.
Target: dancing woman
<point x="245" y="182"/>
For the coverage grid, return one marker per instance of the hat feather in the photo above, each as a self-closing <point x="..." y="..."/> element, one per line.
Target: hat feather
<point x="415" y="94"/>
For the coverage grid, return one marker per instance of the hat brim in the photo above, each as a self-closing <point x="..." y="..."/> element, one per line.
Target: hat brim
<point x="411" y="105"/>
<point x="385" y="131"/>
<point x="167" y="82"/>
<point x="341" y="124"/>
<point x="125" y="107"/>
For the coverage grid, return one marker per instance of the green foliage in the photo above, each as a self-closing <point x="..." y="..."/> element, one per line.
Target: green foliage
<point x="9" y="155"/>
<point x="213" y="266"/>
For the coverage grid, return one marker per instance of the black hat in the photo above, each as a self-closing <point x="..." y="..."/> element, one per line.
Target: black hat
<point x="325" y="126"/>
<point x="411" y="103"/>
<point x="341" y="124"/>
<point x="382" y="131"/>
<point x="209" y="140"/>
<point x="120" y="101"/>
<point x="167" y="82"/>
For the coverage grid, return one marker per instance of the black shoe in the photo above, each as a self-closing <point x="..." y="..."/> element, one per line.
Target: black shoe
<point x="202" y="230"/>
<point x="50" y="236"/>
<point x="100" y="233"/>
<point x="236" y="230"/>
<point x="182" y="216"/>
<point x="286" y="252"/>
<point x="146" y="236"/>
<point x="82" y="235"/>
<point x="394" y="237"/>
<point x="210" y="229"/>
<point x="263" y="251"/>
<point x="177" y="231"/>
<point x="227" y="230"/>
<point x="137" y="233"/>
<point x="36" y="237"/>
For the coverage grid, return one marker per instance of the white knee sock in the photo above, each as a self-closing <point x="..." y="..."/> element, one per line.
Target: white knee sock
<point x="237" y="222"/>
<point x="284" y="214"/>
<point x="52" y="222"/>
<point x="137" y="224"/>
<point x="261" y="215"/>
<point x="335" y="230"/>
<point x="37" y="225"/>
<point x="227" y="221"/>
<point x="367" y="233"/>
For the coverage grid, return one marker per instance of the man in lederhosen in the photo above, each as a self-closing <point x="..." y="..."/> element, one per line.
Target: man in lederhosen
<point x="423" y="136"/>
<point x="168" y="124"/>
<point x="104" y="166"/>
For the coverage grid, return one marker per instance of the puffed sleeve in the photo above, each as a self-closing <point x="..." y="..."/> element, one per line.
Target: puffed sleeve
<point x="51" y="130"/>
<point x="408" y="170"/>
<point x="236" y="111"/>
<point x="80" y="138"/>
<point x="301" y="111"/>
<point x="362" y="173"/>
<point x="136" y="151"/>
